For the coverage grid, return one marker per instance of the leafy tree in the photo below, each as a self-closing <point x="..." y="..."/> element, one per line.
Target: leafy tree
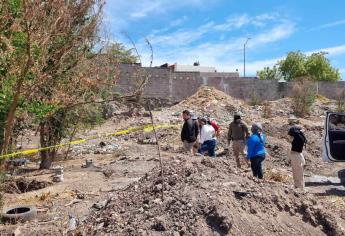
<point x="45" y="60"/>
<point x="297" y="65"/>
<point x="120" y="53"/>
<point x="319" y="68"/>
<point x="293" y="66"/>
<point x="269" y="74"/>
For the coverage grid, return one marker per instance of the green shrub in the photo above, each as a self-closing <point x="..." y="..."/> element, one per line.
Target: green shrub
<point x="303" y="96"/>
<point x="255" y="99"/>
<point x="341" y="102"/>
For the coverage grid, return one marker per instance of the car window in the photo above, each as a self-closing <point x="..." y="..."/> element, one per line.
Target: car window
<point x="334" y="138"/>
<point x="336" y="122"/>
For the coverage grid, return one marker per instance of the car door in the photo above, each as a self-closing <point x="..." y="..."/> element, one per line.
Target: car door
<point x="334" y="137"/>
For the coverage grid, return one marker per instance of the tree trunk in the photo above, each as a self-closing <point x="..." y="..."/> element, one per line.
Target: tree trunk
<point x="17" y="92"/>
<point x="46" y="160"/>
<point x="47" y="156"/>
<point x="9" y="120"/>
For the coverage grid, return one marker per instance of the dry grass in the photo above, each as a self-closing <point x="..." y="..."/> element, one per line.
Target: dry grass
<point x="255" y="100"/>
<point x="44" y="196"/>
<point x="323" y="99"/>
<point x="267" y="110"/>
<point x="341" y="104"/>
<point x="337" y="201"/>
<point x="274" y="175"/>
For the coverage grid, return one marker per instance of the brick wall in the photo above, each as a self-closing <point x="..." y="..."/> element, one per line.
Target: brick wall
<point x="175" y="86"/>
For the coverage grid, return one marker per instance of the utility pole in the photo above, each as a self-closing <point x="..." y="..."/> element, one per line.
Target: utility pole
<point x="244" y="57"/>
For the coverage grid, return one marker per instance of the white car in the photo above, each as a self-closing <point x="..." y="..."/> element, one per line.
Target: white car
<point x="334" y="138"/>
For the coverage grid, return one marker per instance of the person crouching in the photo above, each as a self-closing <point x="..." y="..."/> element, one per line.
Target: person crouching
<point x="256" y="152"/>
<point x="207" y="138"/>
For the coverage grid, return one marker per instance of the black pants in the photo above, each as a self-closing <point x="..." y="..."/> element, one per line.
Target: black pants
<point x="256" y="164"/>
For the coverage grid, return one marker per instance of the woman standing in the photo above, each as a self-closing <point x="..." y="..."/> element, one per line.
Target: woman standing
<point x="256" y="150"/>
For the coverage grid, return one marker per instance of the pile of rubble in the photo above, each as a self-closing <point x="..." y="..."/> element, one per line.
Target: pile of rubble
<point x="209" y="197"/>
<point x="101" y="148"/>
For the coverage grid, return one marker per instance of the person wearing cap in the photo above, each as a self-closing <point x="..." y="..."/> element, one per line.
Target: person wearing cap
<point x="238" y="133"/>
<point x="256" y="152"/>
<point x="207" y="138"/>
<point x="189" y="131"/>
<point x="296" y="157"/>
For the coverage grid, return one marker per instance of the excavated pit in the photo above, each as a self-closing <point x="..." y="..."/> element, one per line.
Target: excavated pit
<point x="23" y="185"/>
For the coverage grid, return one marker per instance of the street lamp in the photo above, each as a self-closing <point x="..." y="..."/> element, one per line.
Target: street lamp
<point x="244" y="57"/>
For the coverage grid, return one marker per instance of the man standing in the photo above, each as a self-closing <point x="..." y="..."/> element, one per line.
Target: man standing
<point x="190" y="131"/>
<point x="238" y="133"/>
<point x="207" y="138"/>
<point x="296" y="156"/>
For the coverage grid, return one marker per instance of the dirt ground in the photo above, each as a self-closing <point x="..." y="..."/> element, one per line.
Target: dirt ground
<point x="121" y="193"/>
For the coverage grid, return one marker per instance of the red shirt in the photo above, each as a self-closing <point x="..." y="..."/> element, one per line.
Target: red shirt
<point x="215" y="126"/>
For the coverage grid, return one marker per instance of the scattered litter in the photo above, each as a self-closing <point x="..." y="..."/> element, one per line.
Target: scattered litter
<point x="72" y="222"/>
<point x="58" y="177"/>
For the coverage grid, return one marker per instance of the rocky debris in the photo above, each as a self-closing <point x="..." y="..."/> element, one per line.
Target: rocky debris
<point x="209" y="199"/>
<point x="99" y="205"/>
<point x="102" y="148"/>
<point x="15" y="162"/>
<point x="210" y="101"/>
<point x="108" y="172"/>
<point x="88" y="164"/>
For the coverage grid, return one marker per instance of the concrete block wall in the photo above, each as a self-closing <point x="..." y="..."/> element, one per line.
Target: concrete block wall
<point x="175" y="86"/>
<point x="332" y="90"/>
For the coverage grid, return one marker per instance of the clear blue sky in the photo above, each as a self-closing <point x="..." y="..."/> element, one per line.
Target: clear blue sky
<point x="213" y="31"/>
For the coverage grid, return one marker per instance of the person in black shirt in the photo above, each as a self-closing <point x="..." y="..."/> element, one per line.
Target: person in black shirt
<point x="190" y="131"/>
<point x="296" y="156"/>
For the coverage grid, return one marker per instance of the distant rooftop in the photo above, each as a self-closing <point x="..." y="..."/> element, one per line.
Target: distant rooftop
<point x="208" y="71"/>
<point x="192" y="68"/>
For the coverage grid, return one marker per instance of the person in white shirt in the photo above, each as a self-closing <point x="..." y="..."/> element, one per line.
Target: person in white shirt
<point x="207" y="138"/>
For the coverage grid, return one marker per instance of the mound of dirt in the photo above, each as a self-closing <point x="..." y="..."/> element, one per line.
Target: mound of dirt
<point x="210" y="101"/>
<point x="209" y="197"/>
<point x="23" y="185"/>
<point x="207" y="96"/>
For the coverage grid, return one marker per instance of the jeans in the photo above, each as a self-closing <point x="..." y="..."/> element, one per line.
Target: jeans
<point x="256" y="165"/>
<point x="208" y="146"/>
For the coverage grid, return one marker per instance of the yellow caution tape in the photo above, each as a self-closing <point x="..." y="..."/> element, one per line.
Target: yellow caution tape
<point x="146" y="128"/>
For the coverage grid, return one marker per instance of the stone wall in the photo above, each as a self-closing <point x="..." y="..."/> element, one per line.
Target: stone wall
<point x="175" y="86"/>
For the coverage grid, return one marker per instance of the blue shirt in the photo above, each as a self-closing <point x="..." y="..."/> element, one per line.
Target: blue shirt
<point x="256" y="146"/>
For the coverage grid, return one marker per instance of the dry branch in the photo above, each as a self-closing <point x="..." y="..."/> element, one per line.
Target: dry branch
<point x="158" y="149"/>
